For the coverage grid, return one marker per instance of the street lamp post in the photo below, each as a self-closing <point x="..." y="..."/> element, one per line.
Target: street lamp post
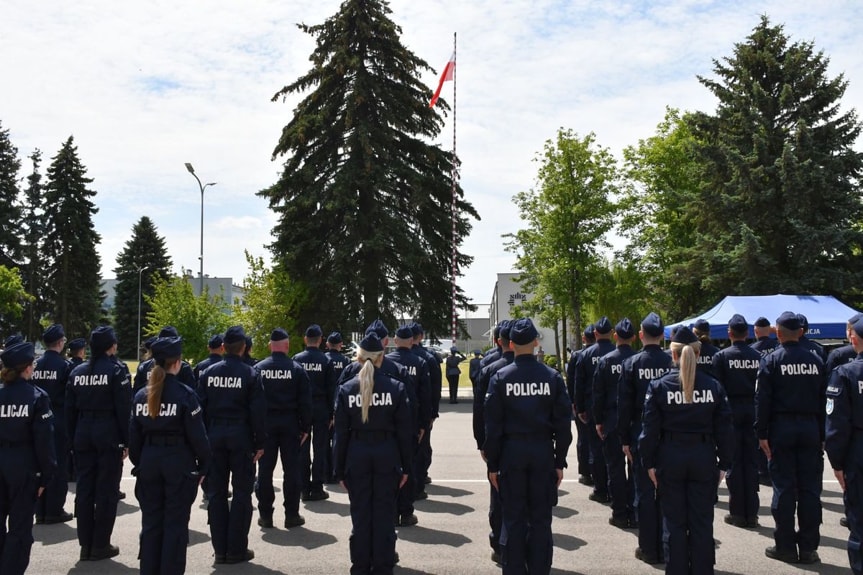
<point x="202" y="187"/>
<point x="138" y="349"/>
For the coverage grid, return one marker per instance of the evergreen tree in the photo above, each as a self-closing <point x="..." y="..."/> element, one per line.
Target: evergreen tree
<point x="143" y="257"/>
<point x="364" y="202"/>
<point x="71" y="263"/>
<point x="33" y="240"/>
<point x="781" y="196"/>
<point x="10" y="223"/>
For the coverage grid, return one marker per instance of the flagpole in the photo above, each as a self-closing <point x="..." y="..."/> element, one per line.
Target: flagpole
<point x="454" y="185"/>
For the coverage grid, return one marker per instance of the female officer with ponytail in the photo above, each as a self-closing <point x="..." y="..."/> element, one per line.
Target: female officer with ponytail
<point x="26" y="455"/>
<point x="169" y="447"/>
<point x="372" y="446"/>
<point x="686" y="429"/>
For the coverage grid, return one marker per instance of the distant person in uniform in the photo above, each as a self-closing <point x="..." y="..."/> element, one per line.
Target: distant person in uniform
<point x="142" y="374"/>
<point x="701" y="329"/>
<point x="436" y="380"/>
<point x="27" y="461"/>
<point x="169" y="447"/>
<point x="77" y="350"/>
<point x="453" y="372"/>
<point x="763" y="344"/>
<point x="50" y="374"/>
<point x="809" y="344"/>
<point x="790" y="400"/>
<point x="216" y="347"/>
<point x="528" y="433"/>
<point x="685" y="444"/>
<point x="474" y="368"/>
<point x="844" y="354"/>
<point x="582" y="447"/>
<point x="98" y="406"/>
<point x="339" y="362"/>
<point x="372" y="450"/>
<point x="496" y="351"/>
<point x="844" y="441"/>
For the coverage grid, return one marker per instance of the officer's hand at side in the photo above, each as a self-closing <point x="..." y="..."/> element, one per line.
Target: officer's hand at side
<point x="627" y="453"/>
<point x="492" y="477"/>
<point x="403" y="480"/>
<point x="583" y="416"/>
<point x="652" y="473"/>
<point x="303" y="438"/>
<point x="342" y="483"/>
<point x="41" y="490"/>
<point x="421" y="435"/>
<point x="765" y="447"/>
<point x="559" y="476"/>
<point x="482" y="454"/>
<point x="840" y="477"/>
<point x="258" y="454"/>
<point x="330" y="425"/>
<point x="125" y="453"/>
<point x="599" y="430"/>
<point x="721" y="475"/>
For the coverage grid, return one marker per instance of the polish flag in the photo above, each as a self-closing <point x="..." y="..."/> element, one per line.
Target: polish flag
<point x="448" y="73"/>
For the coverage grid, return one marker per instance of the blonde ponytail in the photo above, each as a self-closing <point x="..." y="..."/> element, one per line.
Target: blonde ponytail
<point x="154" y="390"/>
<point x="370" y="360"/>
<point x="687" y="359"/>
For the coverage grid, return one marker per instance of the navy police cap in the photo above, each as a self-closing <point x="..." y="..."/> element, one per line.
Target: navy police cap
<point x="789" y="320"/>
<point x="235" y="334"/>
<point x="737" y="323"/>
<point x="78" y="343"/>
<point x="603" y="326"/>
<point x="624" y="329"/>
<point x="168" y="331"/>
<point x="404" y="332"/>
<point x="804" y="322"/>
<point x="53" y="333"/>
<point x="702" y="325"/>
<point x="503" y="328"/>
<point x="652" y="325"/>
<point x="216" y="341"/>
<point x="378" y="327"/>
<point x="167" y="347"/>
<point x="102" y="338"/>
<point x="417" y="328"/>
<point x="19" y="354"/>
<point x="684" y="335"/>
<point x="314" y="330"/>
<point x="762" y="322"/>
<point x="522" y="332"/>
<point x="278" y="334"/>
<point x="858" y="327"/>
<point x="371" y="342"/>
<point x="334" y="338"/>
<point x="855" y="318"/>
<point x="589" y="330"/>
<point x="12" y="340"/>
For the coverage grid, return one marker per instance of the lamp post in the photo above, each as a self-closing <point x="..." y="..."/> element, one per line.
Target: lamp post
<point x="138" y="349"/>
<point x="202" y="187"/>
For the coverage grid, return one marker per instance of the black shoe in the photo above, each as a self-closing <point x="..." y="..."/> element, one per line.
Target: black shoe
<point x="585" y="480"/>
<point x="600" y="497"/>
<point x="427" y="480"/>
<point x="104" y="553"/>
<point x="421" y="495"/>
<point x="39" y="520"/>
<point x="85" y="554"/>
<point x="295" y="521"/>
<point x="752" y="522"/>
<point x="735" y="520"/>
<point x="619" y="522"/>
<point x="407" y="519"/>
<point x="843" y="521"/>
<point x="495" y="557"/>
<point x="789" y="556"/>
<point x="121" y="494"/>
<point x="396" y="554"/>
<point x="52" y="519"/>
<point x="220" y="559"/>
<point x="808" y="557"/>
<point x="646" y="557"/>
<point x="265" y="522"/>
<point x="247" y="555"/>
<point x="765" y="480"/>
<point x="453" y="401"/>
<point x="316" y="496"/>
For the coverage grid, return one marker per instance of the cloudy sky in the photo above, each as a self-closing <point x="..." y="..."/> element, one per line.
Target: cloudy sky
<point x="145" y="87"/>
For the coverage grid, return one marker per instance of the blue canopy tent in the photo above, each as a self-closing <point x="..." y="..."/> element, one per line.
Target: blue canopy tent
<point x="827" y="316"/>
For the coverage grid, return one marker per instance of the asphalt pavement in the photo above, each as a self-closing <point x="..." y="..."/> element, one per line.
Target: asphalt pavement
<point x="452" y="534"/>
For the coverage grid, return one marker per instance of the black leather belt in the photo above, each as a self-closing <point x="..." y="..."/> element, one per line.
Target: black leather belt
<point x="684" y="437"/>
<point x="371" y="435"/>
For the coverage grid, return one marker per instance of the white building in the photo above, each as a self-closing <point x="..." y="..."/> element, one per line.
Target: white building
<point x="508" y="294"/>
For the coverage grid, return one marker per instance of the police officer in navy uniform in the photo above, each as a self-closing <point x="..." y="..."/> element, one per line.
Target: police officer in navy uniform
<point x="844" y="354"/>
<point x="98" y="404"/>
<point x="763" y="343"/>
<point x="77" y="349"/>
<point x="701" y="329"/>
<point x="495" y="511"/>
<point x="216" y="347"/>
<point x="686" y="431"/>
<point x="736" y="368"/>
<point x="582" y="447"/>
<point x="417" y="384"/>
<point x="142" y="374"/>
<point x="323" y="384"/>
<point x="844" y="441"/>
<point x="605" y="382"/>
<point x="169" y="447"/>
<point x="528" y="433"/>
<point x="453" y="372"/>
<point x="790" y="399"/>
<point x="289" y="419"/>
<point x="474" y="368"/>
<point x="495" y="352"/>
<point x="636" y="374"/>
<point x="436" y="379"/>
<point x="339" y="362"/>
<point x="26" y="455"/>
<point x="235" y="414"/>
<point x="372" y="448"/>
<point x="247" y="353"/>
<point x="812" y="346"/>
<point x="583" y="403"/>
<point x="50" y="375"/>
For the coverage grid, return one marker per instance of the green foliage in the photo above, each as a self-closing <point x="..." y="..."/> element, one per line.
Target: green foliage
<point x="12" y="295"/>
<point x="567" y="217"/>
<point x="33" y="235"/>
<point x="364" y="201"/>
<point x="196" y="318"/>
<point x="144" y="257"/>
<point x="10" y="165"/>
<point x="72" y="279"/>
<point x="628" y="297"/>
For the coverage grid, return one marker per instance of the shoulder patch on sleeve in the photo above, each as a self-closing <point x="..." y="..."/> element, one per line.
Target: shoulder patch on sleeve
<point x="829" y="406"/>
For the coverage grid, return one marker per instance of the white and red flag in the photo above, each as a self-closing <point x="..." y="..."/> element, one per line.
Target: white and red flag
<point x="446" y="76"/>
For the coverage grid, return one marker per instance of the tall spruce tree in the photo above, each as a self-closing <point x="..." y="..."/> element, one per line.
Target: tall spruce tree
<point x="32" y="245"/>
<point x="364" y="200"/>
<point x="10" y="223"/>
<point x="72" y="281"/>
<point x="781" y="200"/>
<point x="143" y="257"/>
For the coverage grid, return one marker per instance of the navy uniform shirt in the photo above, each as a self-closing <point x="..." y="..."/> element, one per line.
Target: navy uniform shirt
<point x="839" y="356"/>
<point x="321" y="376"/>
<point x="736" y="368"/>
<point x="483" y="384"/>
<point x="435" y="376"/>
<point x="51" y="373"/>
<point x="765" y="345"/>
<point x="527" y="399"/>
<point x="584" y="371"/>
<point x="491" y="356"/>
<point x="665" y="413"/>
<point x="142" y="375"/>
<point x="605" y="382"/>
<point x="571" y="366"/>
<point x="287" y="390"/>
<point x="636" y="374"/>
<point x="814" y="347"/>
<point x="26" y="419"/>
<point x="338" y="360"/>
<point x="418" y="383"/>
<point x="180" y="415"/>
<point x="389" y="368"/>
<point x="845" y="416"/>
<point x="230" y="390"/>
<point x="790" y="382"/>
<point x="705" y="357"/>
<point x="389" y="415"/>
<point x="204" y="364"/>
<point x="474" y="367"/>
<point x="100" y="386"/>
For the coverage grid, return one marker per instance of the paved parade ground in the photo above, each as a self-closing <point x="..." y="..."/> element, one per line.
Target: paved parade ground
<point x="452" y="534"/>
